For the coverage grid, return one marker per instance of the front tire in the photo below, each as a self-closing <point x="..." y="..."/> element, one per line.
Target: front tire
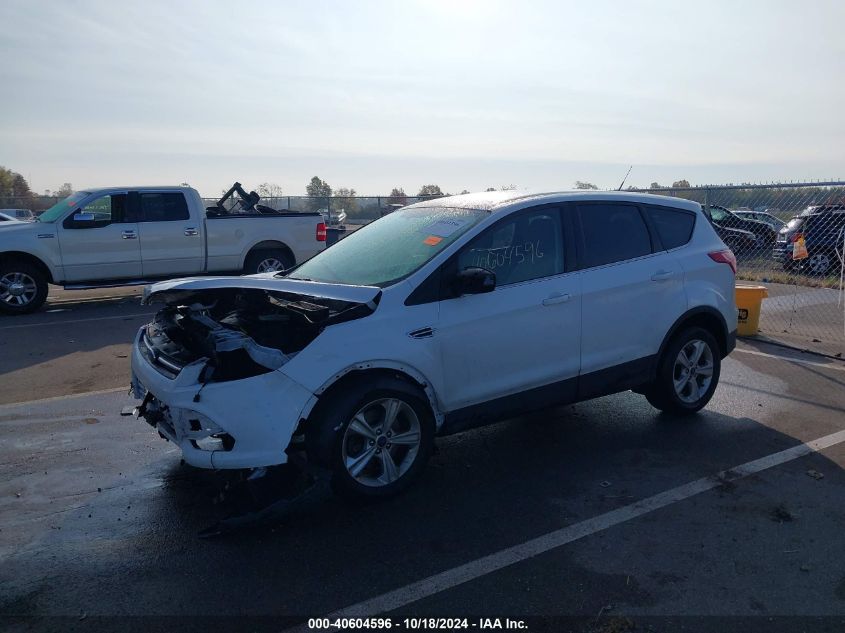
<point x="374" y="435"/>
<point x="23" y="288"/>
<point x="687" y="373"/>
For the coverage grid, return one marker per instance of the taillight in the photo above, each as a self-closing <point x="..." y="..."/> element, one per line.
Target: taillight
<point x="724" y="257"/>
<point x="796" y="237"/>
<point x="321" y="232"/>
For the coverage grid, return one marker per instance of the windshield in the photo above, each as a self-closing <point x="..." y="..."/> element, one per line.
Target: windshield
<point x="390" y="248"/>
<point x="59" y="209"/>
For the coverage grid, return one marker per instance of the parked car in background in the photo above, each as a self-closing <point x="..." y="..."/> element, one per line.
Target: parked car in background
<point x="822" y="228"/>
<point x="23" y="215"/>
<point x="439" y="317"/>
<point x="765" y="235"/>
<point x="8" y="219"/>
<point x="131" y="235"/>
<point x="739" y="241"/>
<point x="761" y="216"/>
<point x="333" y="217"/>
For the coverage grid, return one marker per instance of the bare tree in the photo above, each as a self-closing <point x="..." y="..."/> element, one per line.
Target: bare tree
<point x="585" y="185"/>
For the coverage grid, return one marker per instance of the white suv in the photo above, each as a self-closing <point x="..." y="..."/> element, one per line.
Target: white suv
<point x="439" y="317"/>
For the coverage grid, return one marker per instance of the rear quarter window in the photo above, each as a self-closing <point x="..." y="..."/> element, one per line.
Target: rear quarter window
<point x="674" y="226"/>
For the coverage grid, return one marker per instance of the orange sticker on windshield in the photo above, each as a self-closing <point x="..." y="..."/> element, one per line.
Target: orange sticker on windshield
<point x="431" y="240"/>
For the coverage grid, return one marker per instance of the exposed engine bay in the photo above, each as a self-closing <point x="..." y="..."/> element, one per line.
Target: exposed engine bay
<point x="242" y="332"/>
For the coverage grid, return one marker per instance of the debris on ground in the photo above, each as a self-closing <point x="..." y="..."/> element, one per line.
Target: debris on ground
<point x="605" y="484"/>
<point x="815" y="474"/>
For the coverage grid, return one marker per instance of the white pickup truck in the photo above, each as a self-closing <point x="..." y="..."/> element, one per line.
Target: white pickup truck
<point x="133" y="235"/>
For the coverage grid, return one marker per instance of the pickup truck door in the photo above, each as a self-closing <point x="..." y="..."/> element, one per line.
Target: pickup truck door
<point x="97" y="243"/>
<point x="172" y="241"/>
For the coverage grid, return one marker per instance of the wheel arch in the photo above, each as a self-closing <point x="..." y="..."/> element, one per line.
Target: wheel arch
<point x="266" y="245"/>
<point x="705" y="317"/>
<point x="7" y="256"/>
<point x="370" y="370"/>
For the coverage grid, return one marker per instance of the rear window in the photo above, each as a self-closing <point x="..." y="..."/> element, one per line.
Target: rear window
<point x="673" y="225"/>
<point x="163" y="207"/>
<point x="611" y="233"/>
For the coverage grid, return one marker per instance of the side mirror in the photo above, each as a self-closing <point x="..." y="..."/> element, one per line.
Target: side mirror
<point x="81" y="217"/>
<point x="475" y="280"/>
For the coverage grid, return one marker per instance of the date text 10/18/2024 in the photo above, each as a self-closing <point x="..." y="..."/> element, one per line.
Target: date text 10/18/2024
<point x="414" y="624"/>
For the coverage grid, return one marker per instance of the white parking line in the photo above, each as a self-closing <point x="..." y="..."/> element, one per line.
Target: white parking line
<point x="65" y="322"/>
<point x="833" y="365"/>
<point x="504" y="558"/>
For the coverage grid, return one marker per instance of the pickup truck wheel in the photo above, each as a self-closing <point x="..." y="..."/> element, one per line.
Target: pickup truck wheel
<point x="376" y="437"/>
<point x="267" y="261"/>
<point x="687" y="373"/>
<point x="23" y="288"/>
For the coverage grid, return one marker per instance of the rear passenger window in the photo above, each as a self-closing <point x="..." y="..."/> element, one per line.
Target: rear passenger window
<point x="612" y="233"/>
<point x="163" y="207"/>
<point x="673" y="226"/>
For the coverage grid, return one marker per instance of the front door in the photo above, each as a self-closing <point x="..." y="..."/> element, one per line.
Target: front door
<point x="101" y="247"/>
<point x="524" y="334"/>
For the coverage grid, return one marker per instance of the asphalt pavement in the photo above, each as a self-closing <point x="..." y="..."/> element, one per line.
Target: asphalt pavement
<point x="605" y="512"/>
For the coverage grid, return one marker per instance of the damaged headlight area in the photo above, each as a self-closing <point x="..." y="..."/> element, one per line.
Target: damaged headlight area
<point x="239" y="332"/>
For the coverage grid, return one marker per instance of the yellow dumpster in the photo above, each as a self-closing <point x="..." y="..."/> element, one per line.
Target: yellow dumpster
<point x="748" y="300"/>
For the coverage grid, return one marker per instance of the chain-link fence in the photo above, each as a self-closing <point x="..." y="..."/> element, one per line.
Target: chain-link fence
<point x="790" y="238"/>
<point x="349" y="209"/>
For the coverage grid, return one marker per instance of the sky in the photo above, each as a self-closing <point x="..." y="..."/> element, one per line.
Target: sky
<point x="466" y="94"/>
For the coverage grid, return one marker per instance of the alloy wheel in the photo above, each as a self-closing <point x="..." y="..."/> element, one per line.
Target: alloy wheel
<point x="381" y="442"/>
<point x="693" y="371"/>
<point x="17" y="289"/>
<point x="270" y="265"/>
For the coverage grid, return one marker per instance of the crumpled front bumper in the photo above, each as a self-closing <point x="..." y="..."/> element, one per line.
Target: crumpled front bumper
<point x="257" y="416"/>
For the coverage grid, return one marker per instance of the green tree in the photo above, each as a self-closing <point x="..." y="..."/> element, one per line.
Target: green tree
<point x="681" y="184"/>
<point x="430" y="191"/>
<point x="344" y="198"/>
<point x="320" y="190"/>
<point x="585" y="185"/>
<point x="655" y="185"/>
<point x="14" y="189"/>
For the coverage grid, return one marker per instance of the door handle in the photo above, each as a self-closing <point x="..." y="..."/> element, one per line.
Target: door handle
<point x="129" y="235"/>
<point x="662" y="275"/>
<point x="191" y="231"/>
<point x="555" y="299"/>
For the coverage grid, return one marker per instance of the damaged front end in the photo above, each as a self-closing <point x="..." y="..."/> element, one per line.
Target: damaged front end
<point x="205" y="366"/>
<point x="245" y="329"/>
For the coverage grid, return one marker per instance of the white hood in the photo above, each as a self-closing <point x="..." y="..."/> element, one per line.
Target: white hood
<point x="165" y="291"/>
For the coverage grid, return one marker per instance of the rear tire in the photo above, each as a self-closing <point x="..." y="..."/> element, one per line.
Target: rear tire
<point x="268" y="260"/>
<point x="23" y="287"/>
<point x="687" y="373"/>
<point x="374" y="434"/>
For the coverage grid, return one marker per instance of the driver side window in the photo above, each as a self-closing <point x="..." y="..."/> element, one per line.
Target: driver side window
<point x="109" y="209"/>
<point x="527" y="246"/>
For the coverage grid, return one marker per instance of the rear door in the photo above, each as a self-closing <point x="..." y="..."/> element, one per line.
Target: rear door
<point x="171" y="242"/>
<point x="525" y="333"/>
<point x="104" y="246"/>
<point x="632" y="293"/>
